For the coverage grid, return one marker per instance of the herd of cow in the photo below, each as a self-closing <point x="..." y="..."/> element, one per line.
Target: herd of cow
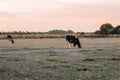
<point x="71" y="40"/>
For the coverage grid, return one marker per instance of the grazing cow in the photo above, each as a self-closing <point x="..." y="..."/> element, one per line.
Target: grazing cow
<point x="74" y="40"/>
<point x="10" y="38"/>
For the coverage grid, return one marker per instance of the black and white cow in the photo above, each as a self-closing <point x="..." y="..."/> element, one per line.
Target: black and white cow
<point x="10" y="38"/>
<point x="74" y="40"/>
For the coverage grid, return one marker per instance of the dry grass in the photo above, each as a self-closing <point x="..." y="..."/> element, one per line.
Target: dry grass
<point x="45" y="35"/>
<point x="34" y="59"/>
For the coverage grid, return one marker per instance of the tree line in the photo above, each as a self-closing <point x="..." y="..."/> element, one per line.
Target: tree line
<point x="49" y="32"/>
<point x="107" y="28"/>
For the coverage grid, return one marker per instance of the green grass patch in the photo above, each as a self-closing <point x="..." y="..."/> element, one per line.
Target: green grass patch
<point x="52" y="60"/>
<point x="16" y="73"/>
<point x="11" y="59"/>
<point x="63" y="61"/>
<point x="8" y="50"/>
<point x="14" y="59"/>
<point x="100" y="59"/>
<point x="2" y="57"/>
<point x="52" y="53"/>
<point x="4" y="69"/>
<point x="25" y="48"/>
<point x="115" y="59"/>
<point x="84" y="51"/>
<point x="99" y="50"/>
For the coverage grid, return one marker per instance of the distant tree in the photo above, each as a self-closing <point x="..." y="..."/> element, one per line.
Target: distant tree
<point x="104" y="29"/>
<point x="115" y="30"/>
<point x="59" y="32"/>
<point x="27" y="32"/>
<point x="119" y="31"/>
<point x="70" y="31"/>
<point x="97" y="32"/>
<point x="82" y="34"/>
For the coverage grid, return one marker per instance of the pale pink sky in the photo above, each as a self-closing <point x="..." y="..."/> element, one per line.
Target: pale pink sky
<point x="45" y="15"/>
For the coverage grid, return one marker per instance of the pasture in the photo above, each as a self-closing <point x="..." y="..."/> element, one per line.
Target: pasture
<point x="50" y="59"/>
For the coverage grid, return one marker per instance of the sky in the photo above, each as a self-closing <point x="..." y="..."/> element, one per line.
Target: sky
<point x="45" y="15"/>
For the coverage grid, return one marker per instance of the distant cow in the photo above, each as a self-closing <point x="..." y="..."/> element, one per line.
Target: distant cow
<point x="74" y="40"/>
<point x="10" y="38"/>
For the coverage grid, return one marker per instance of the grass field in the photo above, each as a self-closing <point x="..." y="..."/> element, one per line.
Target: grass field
<point x="50" y="59"/>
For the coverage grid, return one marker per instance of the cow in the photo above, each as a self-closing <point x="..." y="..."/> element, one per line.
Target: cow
<point x="73" y="40"/>
<point x="10" y="38"/>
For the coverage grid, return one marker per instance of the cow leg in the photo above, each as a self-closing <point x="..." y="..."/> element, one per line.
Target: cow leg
<point x="69" y="46"/>
<point x="79" y="45"/>
<point x="11" y="40"/>
<point x="74" y="44"/>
